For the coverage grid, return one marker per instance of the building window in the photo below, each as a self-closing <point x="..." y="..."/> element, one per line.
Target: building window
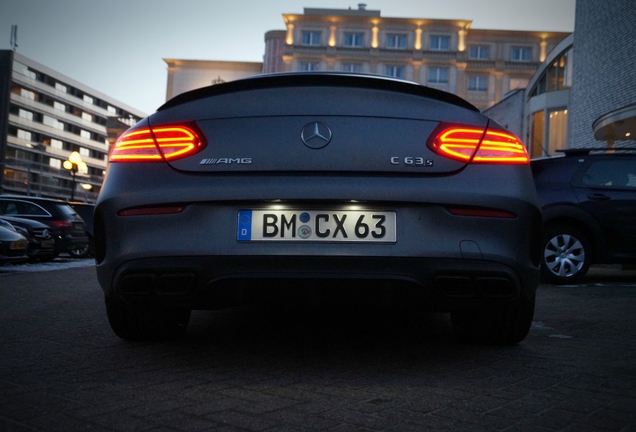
<point x="111" y="109"/>
<point x="28" y="94"/>
<point x="59" y="106"/>
<point x="395" y="71"/>
<point x="354" y="40"/>
<point x="87" y="116"/>
<point x="478" y="53"/>
<point x="57" y="144"/>
<point x="55" y="163"/>
<point x="477" y="83"/>
<point x="53" y="122"/>
<point x="85" y="134"/>
<point x="352" y="67"/>
<point x="310" y="38"/>
<point x="438" y="75"/>
<point x="521" y="54"/>
<point x="440" y="43"/>
<point x="546" y="142"/>
<point x="84" y="152"/>
<point x="88" y="99"/>
<point x="396" y="41"/>
<point x="23" y="70"/>
<point x="536" y="134"/>
<point x="558" y="75"/>
<point x="557" y="130"/>
<point x="25" y="135"/>
<point x="518" y="83"/>
<point x="308" y="66"/>
<point x="25" y="114"/>
<point x="61" y="87"/>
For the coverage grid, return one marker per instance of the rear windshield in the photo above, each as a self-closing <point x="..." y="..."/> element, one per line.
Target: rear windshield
<point x="65" y="209"/>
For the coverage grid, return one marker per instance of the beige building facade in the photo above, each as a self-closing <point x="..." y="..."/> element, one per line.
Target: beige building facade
<point x="186" y="75"/>
<point x="478" y="65"/>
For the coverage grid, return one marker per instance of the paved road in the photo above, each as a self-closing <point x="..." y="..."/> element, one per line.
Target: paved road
<point x="268" y="369"/>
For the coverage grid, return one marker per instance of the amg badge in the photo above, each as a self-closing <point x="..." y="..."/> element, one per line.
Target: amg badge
<point x="220" y="161"/>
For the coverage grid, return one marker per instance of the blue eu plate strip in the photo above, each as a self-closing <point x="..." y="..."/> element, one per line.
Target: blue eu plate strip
<point x="244" y="231"/>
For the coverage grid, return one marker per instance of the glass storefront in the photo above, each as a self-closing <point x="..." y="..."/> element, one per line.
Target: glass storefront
<point x="548" y="132"/>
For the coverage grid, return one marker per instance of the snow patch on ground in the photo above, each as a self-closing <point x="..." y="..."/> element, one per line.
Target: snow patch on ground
<point x="59" y="263"/>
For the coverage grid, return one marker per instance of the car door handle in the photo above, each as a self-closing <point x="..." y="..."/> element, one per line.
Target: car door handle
<point x="598" y="197"/>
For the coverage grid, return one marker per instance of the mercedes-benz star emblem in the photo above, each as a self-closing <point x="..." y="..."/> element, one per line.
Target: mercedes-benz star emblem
<point x="316" y="135"/>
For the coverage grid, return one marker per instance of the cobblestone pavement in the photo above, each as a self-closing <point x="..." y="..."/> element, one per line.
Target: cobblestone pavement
<point x="269" y="369"/>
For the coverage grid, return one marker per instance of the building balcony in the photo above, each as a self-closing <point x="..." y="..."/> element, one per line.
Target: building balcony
<point x="69" y="137"/>
<point x="59" y="95"/>
<point x="58" y="114"/>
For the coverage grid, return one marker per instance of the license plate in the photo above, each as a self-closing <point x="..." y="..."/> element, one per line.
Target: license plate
<point x="316" y="226"/>
<point x="18" y="244"/>
<point x="46" y="244"/>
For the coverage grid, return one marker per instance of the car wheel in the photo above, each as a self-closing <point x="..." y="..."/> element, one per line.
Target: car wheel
<point x="79" y="251"/>
<point x="566" y="255"/>
<point x="141" y="321"/>
<point x="500" y="324"/>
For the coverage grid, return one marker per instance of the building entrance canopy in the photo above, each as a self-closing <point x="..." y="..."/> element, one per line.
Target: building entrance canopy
<point x="616" y="125"/>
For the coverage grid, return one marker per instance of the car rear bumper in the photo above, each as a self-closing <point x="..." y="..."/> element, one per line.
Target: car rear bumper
<point x="222" y="281"/>
<point x="192" y="254"/>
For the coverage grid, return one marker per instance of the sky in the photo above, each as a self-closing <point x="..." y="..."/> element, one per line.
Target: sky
<point x="117" y="47"/>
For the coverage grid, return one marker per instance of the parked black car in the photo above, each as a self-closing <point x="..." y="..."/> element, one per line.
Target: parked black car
<point x="39" y="236"/>
<point x="13" y="245"/>
<point x="588" y="198"/>
<point x="85" y="210"/>
<point x="67" y="227"/>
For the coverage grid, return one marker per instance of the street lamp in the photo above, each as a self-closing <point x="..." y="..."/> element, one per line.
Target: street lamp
<point x="74" y="163"/>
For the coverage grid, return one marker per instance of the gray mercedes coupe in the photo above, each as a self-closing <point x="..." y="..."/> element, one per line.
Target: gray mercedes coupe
<point x="314" y="182"/>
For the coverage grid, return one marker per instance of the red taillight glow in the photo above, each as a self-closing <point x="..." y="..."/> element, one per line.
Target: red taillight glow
<point x="476" y="145"/>
<point x="156" y="144"/>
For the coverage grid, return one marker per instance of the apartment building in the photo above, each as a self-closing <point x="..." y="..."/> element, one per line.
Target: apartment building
<point x="44" y="118"/>
<point x="478" y="65"/>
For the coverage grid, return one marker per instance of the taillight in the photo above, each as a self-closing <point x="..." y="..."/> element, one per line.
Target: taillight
<point x="158" y="143"/>
<point x="62" y="224"/>
<point x="472" y="144"/>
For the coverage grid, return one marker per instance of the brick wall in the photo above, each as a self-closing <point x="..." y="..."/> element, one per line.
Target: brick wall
<point x="604" y="76"/>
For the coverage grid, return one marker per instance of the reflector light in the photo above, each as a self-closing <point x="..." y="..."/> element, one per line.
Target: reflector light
<point x="481" y="212"/>
<point x="475" y="145"/>
<point x="144" y="211"/>
<point x="157" y="144"/>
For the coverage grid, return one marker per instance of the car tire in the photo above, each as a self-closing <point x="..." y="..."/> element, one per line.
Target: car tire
<point x="500" y="324"/>
<point x="566" y="255"/>
<point x="79" y="251"/>
<point x="136" y="321"/>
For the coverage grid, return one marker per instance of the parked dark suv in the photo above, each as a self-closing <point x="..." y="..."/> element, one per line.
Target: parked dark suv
<point x="588" y="198"/>
<point x="67" y="227"/>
